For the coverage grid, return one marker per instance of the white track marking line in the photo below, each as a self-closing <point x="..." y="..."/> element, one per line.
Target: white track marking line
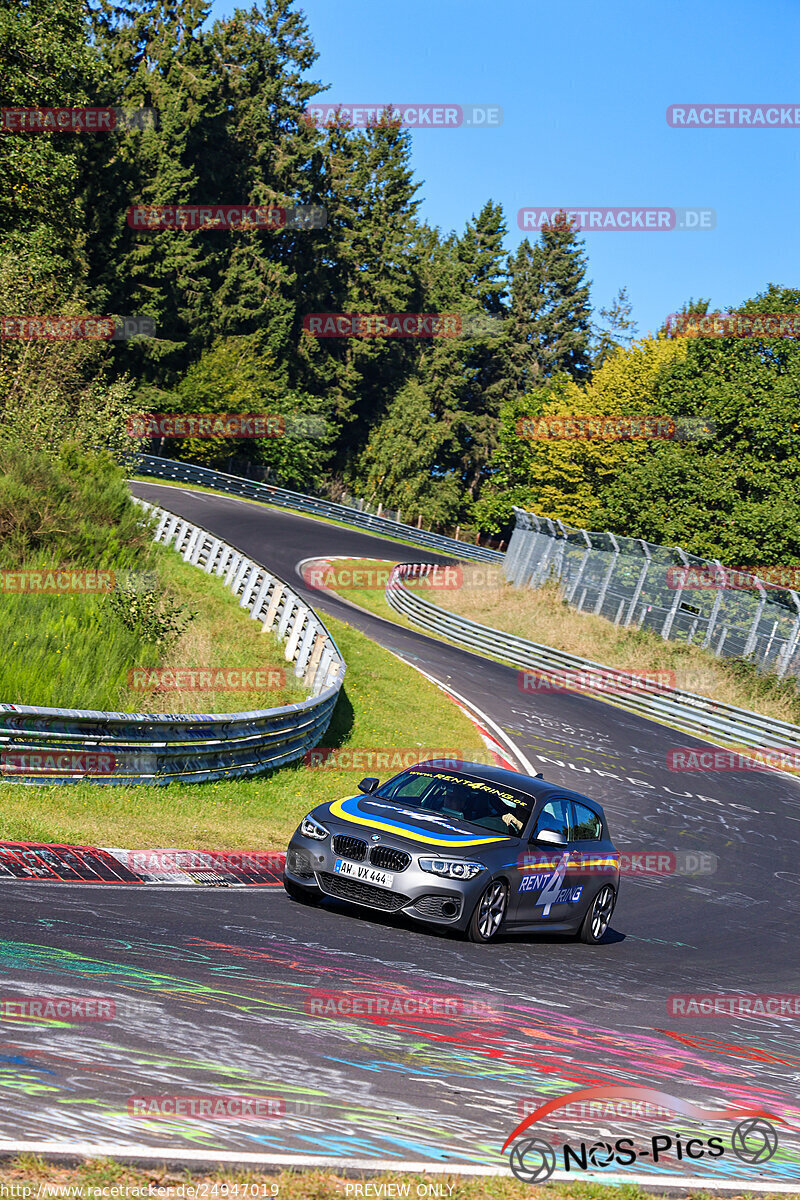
<point x="503" y="737"/>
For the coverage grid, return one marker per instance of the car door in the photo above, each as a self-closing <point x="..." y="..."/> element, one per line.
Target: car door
<point x="592" y="855"/>
<point x="543" y="869"/>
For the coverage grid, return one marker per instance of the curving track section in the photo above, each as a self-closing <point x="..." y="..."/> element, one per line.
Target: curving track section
<point x="211" y="988"/>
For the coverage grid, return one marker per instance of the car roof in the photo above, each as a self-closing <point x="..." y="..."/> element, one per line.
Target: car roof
<point x="537" y="789"/>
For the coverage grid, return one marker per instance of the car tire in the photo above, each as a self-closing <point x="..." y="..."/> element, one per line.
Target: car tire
<point x="598" y="916"/>
<point x="302" y="895"/>
<point x="489" y="913"/>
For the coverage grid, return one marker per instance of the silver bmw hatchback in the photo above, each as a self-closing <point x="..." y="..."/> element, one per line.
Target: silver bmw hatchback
<point x="480" y="849"/>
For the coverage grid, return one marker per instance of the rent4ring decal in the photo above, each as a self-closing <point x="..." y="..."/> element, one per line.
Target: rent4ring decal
<point x="553" y="891"/>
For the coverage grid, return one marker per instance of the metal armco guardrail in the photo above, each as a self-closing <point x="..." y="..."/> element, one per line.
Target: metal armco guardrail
<point x="251" y="489"/>
<point x="147" y="748"/>
<point x="697" y="715"/>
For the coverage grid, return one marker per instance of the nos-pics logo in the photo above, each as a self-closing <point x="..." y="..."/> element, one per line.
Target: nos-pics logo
<point x="533" y="1159"/>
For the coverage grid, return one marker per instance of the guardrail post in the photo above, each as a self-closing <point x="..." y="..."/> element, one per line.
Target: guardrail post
<point x="666" y="629"/>
<point x="274" y="605"/>
<point x="233" y="566"/>
<point x="304" y="648"/>
<point x="607" y="577"/>
<point x="314" y="660"/>
<point x="191" y="545"/>
<point x="182" y="529"/>
<point x="290" y="606"/>
<point x="243" y="570"/>
<point x="169" y="529"/>
<point x="203" y="550"/>
<point x="261" y="594"/>
<point x="321" y="677"/>
<point x="162" y="521"/>
<point x="212" y="555"/>
<point x="250" y="585"/>
<point x="291" y="644"/>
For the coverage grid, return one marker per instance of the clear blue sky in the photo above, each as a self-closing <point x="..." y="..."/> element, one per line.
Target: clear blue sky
<point x="584" y="86"/>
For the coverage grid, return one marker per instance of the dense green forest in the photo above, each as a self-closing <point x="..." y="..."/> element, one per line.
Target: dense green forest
<point x="430" y="426"/>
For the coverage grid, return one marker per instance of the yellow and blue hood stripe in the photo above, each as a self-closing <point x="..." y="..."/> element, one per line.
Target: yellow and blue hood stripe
<point x="350" y="809"/>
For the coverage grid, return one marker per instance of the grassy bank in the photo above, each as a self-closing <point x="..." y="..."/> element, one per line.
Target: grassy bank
<point x="309" y="1185"/>
<point x="540" y="615"/>
<point x="73" y="650"/>
<point x="384" y="704"/>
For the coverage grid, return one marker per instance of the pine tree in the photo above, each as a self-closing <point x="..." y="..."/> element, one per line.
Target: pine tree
<point x="266" y="153"/>
<point x="367" y="263"/>
<point x="549" y="322"/>
<point x="480" y="250"/>
<point x="619" y="328"/>
<point x="156" y="56"/>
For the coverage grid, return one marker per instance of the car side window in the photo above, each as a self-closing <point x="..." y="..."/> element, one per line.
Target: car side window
<point x="588" y="826"/>
<point x="555" y="817"/>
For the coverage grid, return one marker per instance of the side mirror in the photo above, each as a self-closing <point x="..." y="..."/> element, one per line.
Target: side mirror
<point x="549" y="837"/>
<point x="368" y="784"/>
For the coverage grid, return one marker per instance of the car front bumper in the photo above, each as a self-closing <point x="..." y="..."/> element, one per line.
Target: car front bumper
<point x="418" y="894"/>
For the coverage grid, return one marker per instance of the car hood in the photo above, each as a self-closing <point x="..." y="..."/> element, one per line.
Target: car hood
<point x="362" y="816"/>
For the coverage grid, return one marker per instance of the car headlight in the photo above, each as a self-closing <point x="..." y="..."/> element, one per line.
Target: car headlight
<point x="451" y="868"/>
<point x="311" y="828"/>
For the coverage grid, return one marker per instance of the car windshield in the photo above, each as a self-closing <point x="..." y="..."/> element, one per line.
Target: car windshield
<point x="477" y="801"/>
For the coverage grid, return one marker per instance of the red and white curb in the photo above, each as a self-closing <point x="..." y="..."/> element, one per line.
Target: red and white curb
<point x="53" y="863"/>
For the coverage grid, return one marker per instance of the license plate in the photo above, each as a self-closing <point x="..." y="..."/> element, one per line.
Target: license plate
<point x="363" y="874"/>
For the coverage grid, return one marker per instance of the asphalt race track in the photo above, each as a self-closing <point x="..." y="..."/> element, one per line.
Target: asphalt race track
<point x="211" y="987"/>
